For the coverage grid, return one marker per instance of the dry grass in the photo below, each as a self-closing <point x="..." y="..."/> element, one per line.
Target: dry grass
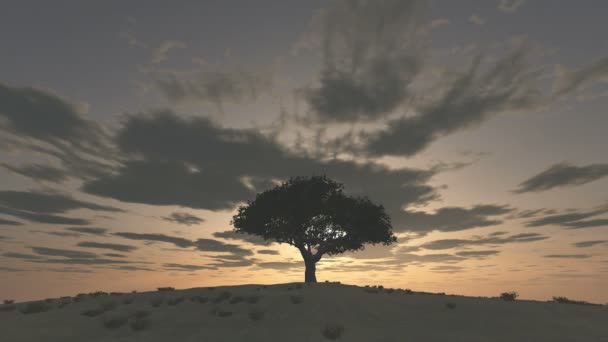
<point x="114" y="321"/>
<point x="128" y="300"/>
<point x="92" y="312"/>
<point x="222" y="313"/>
<point x="236" y="299"/>
<point x="166" y="289"/>
<point x="332" y="331"/>
<point x="253" y="299"/>
<point x="175" y="301"/>
<point x="156" y="301"/>
<point x="296" y="299"/>
<point x="256" y="314"/>
<point x="7" y="307"/>
<point x="224" y="295"/>
<point x="35" y="307"/>
<point x="450" y="305"/>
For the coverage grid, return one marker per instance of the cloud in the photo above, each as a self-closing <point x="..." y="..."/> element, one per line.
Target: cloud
<point x="42" y="206"/>
<point x="193" y="153"/>
<point x="369" y="58"/>
<point x="439" y="22"/>
<point x="67" y="253"/>
<point x="447" y="269"/>
<point x="476" y="253"/>
<point x="249" y="238"/>
<point x="568" y="256"/>
<point x="563" y="174"/>
<point x="111" y="246"/>
<point x="11" y="269"/>
<point x="133" y="268"/>
<point x="477" y="20"/>
<point x="450" y="219"/>
<point x="479" y="241"/>
<point x="88" y="230"/>
<point x="280" y="265"/>
<point x="177" y="241"/>
<point x="567" y="80"/>
<point x="185" y="267"/>
<point x="215" y="86"/>
<point x="510" y="6"/>
<point x="585" y="244"/>
<point x="21" y="256"/>
<point x="160" y="53"/>
<point x="39" y="172"/>
<point x="209" y="245"/>
<point x="47" y="202"/>
<point x="184" y="218"/>
<point x="268" y="252"/>
<point x="467" y="99"/>
<point x="572" y="220"/>
<point x="87" y="261"/>
<point x="9" y="222"/>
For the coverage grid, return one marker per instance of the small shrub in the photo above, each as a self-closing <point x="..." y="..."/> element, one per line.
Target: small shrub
<point x="211" y="288"/>
<point x="332" y="331"/>
<point x="175" y="301"/>
<point x="114" y="321"/>
<point x="139" y="324"/>
<point x="92" y="312"/>
<point x="380" y="287"/>
<point x="450" y="305"/>
<point x="236" y="299"/>
<point x="296" y="299"/>
<point x="565" y="300"/>
<point x="134" y="291"/>
<point x="327" y="281"/>
<point x="366" y="286"/>
<point x="441" y="293"/>
<point x="221" y="313"/>
<point x="156" y="301"/>
<point x="508" y="296"/>
<point x="224" y="295"/>
<point x="390" y="290"/>
<point x="107" y="306"/>
<point x="253" y="299"/>
<point x="116" y="293"/>
<point x="199" y="299"/>
<point x="35" y="307"/>
<point x="298" y="286"/>
<point x="9" y="301"/>
<point x="98" y="293"/>
<point x="408" y="291"/>
<point x="7" y="307"/>
<point x="256" y="314"/>
<point x="371" y="290"/>
<point x="166" y="289"/>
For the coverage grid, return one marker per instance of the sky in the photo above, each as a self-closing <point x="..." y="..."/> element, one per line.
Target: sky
<point x="130" y="133"/>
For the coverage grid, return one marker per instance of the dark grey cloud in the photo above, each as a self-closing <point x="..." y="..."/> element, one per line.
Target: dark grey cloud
<point x="9" y="222"/>
<point x="61" y="234"/>
<point x="568" y="256"/>
<point x="210" y="245"/>
<point x="46" y="202"/>
<point x="133" y="268"/>
<point x="11" y="269"/>
<point x="177" y="241"/>
<point x="563" y="174"/>
<point x="476" y="253"/>
<point x="43" y="207"/>
<point x="183" y="218"/>
<point x="479" y="241"/>
<point x="67" y="253"/>
<point x="39" y="172"/>
<point x="572" y="220"/>
<point x="41" y="218"/>
<point x="86" y="261"/>
<point x="268" y="252"/>
<point x="585" y="244"/>
<point x="88" y="230"/>
<point x="570" y="80"/>
<point x="114" y="255"/>
<point x="369" y="57"/>
<point x="447" y="269"/>
<point x="111" y="246"/>
<point x="186" y="267"/>
<point x="249" y="238"/>
<point x="196" y="159"/>
<point x="21" y="256"/>
<point x="449" y="219"/>
<point x="217" y="86"/>
<point x="467" y="100"/>
<point x="408" y="258"/>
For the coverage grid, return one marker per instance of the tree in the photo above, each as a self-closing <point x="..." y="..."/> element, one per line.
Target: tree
<point x="314" y="215"/>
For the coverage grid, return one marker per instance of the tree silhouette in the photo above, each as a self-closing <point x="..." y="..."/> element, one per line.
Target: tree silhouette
<point x="314" y="215"/>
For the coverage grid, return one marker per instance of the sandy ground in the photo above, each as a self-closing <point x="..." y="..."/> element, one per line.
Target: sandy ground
<point x="286" y="312"/>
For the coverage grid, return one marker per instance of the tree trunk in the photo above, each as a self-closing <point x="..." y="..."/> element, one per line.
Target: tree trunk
<point x="309" y="275"/>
